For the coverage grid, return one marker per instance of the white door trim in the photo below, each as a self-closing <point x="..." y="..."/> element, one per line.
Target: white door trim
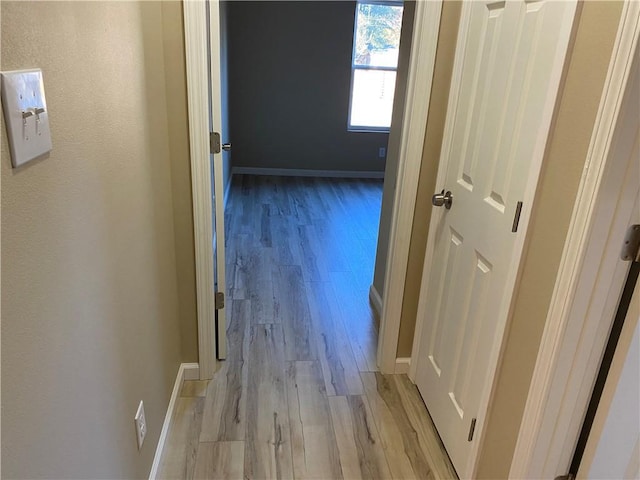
<point x="418" y="95"/>
<point x="195" y="32"/>
<point x="562" y="368"/>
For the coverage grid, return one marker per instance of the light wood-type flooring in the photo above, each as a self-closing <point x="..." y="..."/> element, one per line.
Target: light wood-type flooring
<point x="299" y="395"/>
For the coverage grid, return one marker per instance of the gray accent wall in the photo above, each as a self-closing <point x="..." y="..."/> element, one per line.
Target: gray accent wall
<point x="224" y="91"/>
<point x="289" y="83"/>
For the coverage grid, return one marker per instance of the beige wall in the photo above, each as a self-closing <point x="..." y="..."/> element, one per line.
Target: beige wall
<point x="176" y="84"/>
<point x="562" y="169"/>
<point x="428" y="171"/>
<point x="90" y="300"/>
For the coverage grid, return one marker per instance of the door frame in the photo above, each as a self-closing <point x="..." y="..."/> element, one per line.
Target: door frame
<point x="196" y="41"/>
<point x="572" y="341"/>
<point x="424" y="43"/>
<point x="528" y="199"/>
<point x="418" y="94"/>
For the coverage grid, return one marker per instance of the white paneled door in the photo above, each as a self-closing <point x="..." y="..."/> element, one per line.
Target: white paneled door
<point x="507" y="72"/>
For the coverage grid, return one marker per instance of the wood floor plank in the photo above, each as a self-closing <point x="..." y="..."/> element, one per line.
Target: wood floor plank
<point x="428" y="437"/>
<point x="265" y="226"/>
<point x="181" y="447"/>
<point x="336" y="252"/>
<point x="313" y="442"/>
<point x="339" y="368"/>
<point x="258" y="282"/>
<point x="247" y="205"/>
<point x="280" y="200"/>
<point x="213" y="424"/>
<point x="237" y="266"/>
<point x="301" y="209"/>
<point x="285" y="248"/>
<point x="361" y="453"/>
<point x="399" y="438"/>
<point x="220" y="461"/>
<point x="194" y="388"/>
<point x="292" y="311"/>
<point x="268" y="439"/>
<point x="358" y="319"/>
<point x="224" y="416"/>
<point x="352" y="212"/>
<point x="314" y="198"/>
<point x="238" y="331"/>
<point x="313" y="266"/>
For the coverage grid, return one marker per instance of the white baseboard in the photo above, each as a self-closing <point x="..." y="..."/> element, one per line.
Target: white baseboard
<point x="301" y="172"/>
<point x="402" y="365"/>
<point x="187" y="371"/>
<point x="376" y="300"/>
<point x="191" y="371"/>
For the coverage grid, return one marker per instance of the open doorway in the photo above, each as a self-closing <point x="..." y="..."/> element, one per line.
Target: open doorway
<point x="310" y="95"/>
<point x="401" y="179"/>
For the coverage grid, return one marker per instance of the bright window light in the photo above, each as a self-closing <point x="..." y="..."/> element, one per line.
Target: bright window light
<point x="376" y="43"/>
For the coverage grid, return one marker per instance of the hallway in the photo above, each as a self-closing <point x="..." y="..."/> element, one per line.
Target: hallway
<point x="299" y="395"/>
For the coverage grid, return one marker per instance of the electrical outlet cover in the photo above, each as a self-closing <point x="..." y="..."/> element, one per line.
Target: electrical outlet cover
<point x="141" y="425"/>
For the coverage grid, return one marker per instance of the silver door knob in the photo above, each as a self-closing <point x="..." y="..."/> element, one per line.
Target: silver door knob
<point x="440" y="199"/>
<point x="226" y="147"/>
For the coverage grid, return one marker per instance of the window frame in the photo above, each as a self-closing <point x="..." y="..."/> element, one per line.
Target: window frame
<point x="354" y="67"/>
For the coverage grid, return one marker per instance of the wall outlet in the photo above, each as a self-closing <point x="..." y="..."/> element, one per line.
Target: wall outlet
<point x="141" y="425"/>
<point x="382" y="152"/>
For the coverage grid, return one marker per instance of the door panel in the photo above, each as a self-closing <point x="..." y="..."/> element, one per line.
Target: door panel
<point x="508" y="67"/>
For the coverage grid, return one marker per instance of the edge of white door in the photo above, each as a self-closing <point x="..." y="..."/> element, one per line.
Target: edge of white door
<point x="218" y="174"/>
<point x="548" y="109"/>
<point x="567" y="359"/>
<point x="195" y="28"/>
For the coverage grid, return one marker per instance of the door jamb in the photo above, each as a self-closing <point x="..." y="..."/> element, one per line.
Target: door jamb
<point x="416" y="109"/>
<point x="420" y="76"/>
<point x="196" y="41"/>
<point x="566" y="341"/>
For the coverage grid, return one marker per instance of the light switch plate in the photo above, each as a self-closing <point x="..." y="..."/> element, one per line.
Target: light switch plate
<point x="25" y="114"/>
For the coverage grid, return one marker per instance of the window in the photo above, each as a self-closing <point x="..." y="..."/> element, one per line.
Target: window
<point x="376" y="43"/>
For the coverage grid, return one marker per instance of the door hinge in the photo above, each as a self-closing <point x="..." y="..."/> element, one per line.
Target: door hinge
<point x="471" y="429"/>
<point x="631" y="245"/>
<point x="219" y="302"/>
<point x="516" y="218"/>
<point x="214" y="142"/>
